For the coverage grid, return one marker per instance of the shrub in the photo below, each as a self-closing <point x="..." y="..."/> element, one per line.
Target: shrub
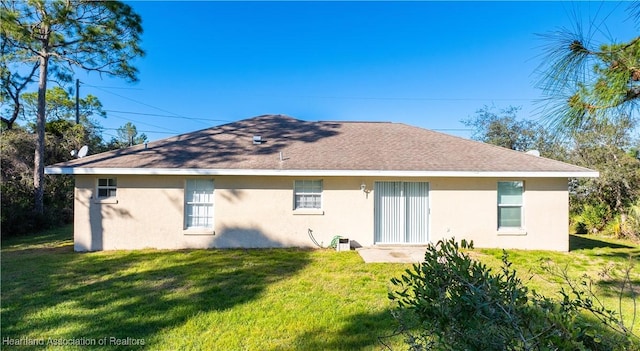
<point x="576" y="225"/>
<point x="452" y="302"/>
<point x="17" y="215"/>
<point x="631" y="227"/>
<point x="614" y="227"/>
<point x="594" y="217"/>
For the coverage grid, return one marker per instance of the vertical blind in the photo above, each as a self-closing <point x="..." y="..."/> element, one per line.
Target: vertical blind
<point x="416" y="211"/>
<point x="401" y="212"/>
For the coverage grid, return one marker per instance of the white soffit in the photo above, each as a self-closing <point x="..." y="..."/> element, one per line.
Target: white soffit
<point x="316" y="173"/>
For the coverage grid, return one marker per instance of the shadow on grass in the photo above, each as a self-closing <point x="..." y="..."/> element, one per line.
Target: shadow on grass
<point x="47" y="239"/>
<point x="361" y="331"/>
<point x="132" y="294"/>
<point x="620" y="288"/>
<point x="577" y="242"/>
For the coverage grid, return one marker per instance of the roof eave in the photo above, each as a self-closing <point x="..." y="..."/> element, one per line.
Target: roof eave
<point x="320" y="172"/>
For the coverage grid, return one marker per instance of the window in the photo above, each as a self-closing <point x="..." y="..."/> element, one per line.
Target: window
<point x="107" y="187"/>
<point x="510" y="204"/>
<point x="198" y="199"/>
<point x="307" y="194"/>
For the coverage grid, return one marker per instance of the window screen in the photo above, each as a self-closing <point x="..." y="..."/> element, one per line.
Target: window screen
<point x="510" y="204"/>
<point x="308" y="194"/>
<point x="199" y="203"/>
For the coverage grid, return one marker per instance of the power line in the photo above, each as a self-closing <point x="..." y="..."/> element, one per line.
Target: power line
<point x="167" y="116"/>
<point x="107" y="87"/>
<point x="172" y="115"/>
<point x="136" y="101"/>
<point x="149" y="124"/>
<point x="201" y="120"/>
<point x="141" y="131"/>
<point x="343" y="98"/>
<point x="394" y="98"/>
<point x="451" y="129"/>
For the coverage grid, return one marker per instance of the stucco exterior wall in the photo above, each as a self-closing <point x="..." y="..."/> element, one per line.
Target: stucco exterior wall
<point x="252" y="211"/>
<point x="467" y="208"/>
<point x="248" y="212"/>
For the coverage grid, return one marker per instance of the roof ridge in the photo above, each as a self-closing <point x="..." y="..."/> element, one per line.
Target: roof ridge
<point x="354" y="122"/>
<point x="323" y="145"/>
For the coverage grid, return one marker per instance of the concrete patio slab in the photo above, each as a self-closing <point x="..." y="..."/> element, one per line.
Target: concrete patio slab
<point x="392" y="254"/>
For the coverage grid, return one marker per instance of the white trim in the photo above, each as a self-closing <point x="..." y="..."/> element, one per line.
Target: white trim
<point x="521" y="228"/>
<point x="308" y="211"/>
<point x="318" y="173"/>
<point x="506" y="231"/>
<point x="106" y="199"/>
<point x="198" y="230"/>
<point x="296" y="193"/>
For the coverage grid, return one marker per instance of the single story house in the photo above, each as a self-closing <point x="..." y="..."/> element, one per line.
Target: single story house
<point x="276" y="181"/>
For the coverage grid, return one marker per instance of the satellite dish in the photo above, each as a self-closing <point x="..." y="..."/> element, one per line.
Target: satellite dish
<point x="535" y="153"/>
<point x="83" y="151"/>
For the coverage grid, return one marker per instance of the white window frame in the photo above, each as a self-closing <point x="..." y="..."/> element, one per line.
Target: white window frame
<point x="112" y="185"/>
<point x="520" y="205"/>
<point x="299" y="190"/>
<point x="188" y="201"/>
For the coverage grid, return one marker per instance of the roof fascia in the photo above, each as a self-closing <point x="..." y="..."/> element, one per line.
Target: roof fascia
<point x="325" y="173"/>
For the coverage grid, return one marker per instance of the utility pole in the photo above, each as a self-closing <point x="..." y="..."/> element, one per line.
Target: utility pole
<point x="77" y="101"/>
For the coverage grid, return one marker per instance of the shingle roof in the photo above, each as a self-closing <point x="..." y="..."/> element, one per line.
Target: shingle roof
<point x="292" y="144"/>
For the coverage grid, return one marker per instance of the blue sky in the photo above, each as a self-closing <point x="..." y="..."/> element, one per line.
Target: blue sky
<point x="429" y="64"/>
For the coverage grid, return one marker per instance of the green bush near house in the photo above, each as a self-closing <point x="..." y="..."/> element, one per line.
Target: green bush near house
<point x="594" y="217"/>
<point x="452" y="301"/>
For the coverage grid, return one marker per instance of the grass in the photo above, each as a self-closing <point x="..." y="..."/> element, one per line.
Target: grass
<point x="589" y="257"/>
<point x="284" y="299"/>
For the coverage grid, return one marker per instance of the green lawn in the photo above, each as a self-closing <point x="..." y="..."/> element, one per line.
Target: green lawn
<point x="285" y="299"/>
<point x="589" y="256"/>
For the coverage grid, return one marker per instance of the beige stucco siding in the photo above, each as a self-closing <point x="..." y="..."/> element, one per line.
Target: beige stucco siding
<point x="248" y="212"/>
<point x="252" y="211"/>
<point x="258" y="212"/>
<point x="467" y="208"/>
<point x="147" y="214"/>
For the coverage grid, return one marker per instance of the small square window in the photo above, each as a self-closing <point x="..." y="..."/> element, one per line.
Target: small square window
<point x="107" y="187"/>
<point x="307" y="194"/>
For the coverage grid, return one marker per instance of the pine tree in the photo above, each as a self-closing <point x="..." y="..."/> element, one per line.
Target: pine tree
<point x="585" y="83"/>
<point x="60" y="36"/>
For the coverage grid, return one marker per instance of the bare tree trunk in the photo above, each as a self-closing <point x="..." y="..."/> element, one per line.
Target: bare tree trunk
<point x="38" y="171"/>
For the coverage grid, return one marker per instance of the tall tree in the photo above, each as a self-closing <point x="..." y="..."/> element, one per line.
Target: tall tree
<point x="63" y="35"/>
<point x="16" y="165"/>
<point x="503" y="128"/>
<point x="584" y="82"/>
<point x="61" y="114"/>
<point x="608" y="146"/>
<point x="128" y="136"/>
